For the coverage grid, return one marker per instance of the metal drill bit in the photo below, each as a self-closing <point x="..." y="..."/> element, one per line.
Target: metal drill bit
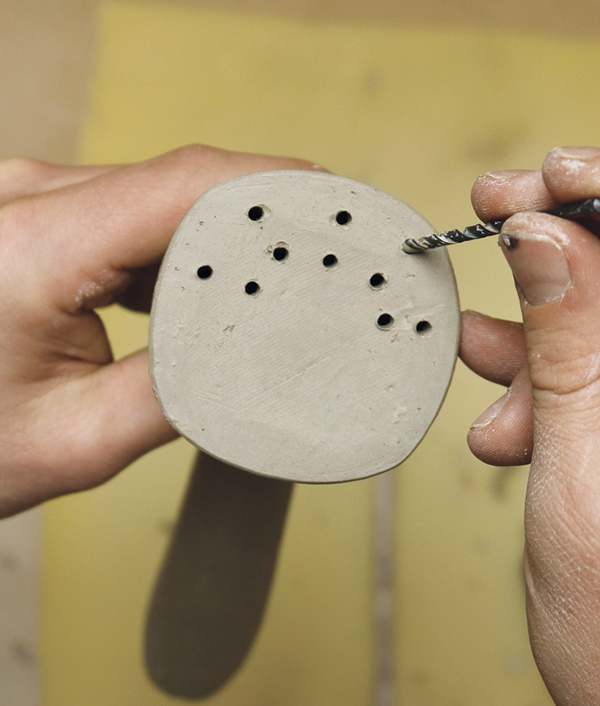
<point x="572" y="211"/>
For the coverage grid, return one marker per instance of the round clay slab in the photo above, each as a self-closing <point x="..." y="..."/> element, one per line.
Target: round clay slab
<point x="292" y="337"/>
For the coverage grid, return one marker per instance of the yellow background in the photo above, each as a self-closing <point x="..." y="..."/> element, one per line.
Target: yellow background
<point x="418" y="113"/>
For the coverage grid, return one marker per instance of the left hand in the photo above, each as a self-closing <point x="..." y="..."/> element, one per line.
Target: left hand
<point x="73" y="239"/>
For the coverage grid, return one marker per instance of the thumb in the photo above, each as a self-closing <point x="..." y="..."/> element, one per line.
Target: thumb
<point x="556" y="266"/>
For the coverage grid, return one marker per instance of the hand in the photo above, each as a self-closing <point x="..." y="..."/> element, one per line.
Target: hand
<point x="551" y="412"/>
<point x="73" y="239"/>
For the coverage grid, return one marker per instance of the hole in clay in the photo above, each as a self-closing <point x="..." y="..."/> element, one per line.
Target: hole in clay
<point x="256" y="213"/>
<point x="423" y="327"/>
<point x="385" y="321"/>
<point x="280" y="253"/>
<point x="252" y="287"/>
<point x="377" y="280"/>
<point x="205" y="271"/>
<point x="330" y="260"/>
<point x="343" y="218"/>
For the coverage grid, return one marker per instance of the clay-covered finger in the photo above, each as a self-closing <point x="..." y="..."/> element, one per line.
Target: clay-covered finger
<point x="500" y="194"/>
<point x="572" y="173"/>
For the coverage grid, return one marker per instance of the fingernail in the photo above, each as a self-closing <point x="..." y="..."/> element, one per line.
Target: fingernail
<point x="539" y="266"/>
<point x="580" y="153"/>
<point x="491" y="412"/>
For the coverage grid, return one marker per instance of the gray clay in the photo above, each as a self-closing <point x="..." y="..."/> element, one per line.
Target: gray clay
<point x="292" y="337"/>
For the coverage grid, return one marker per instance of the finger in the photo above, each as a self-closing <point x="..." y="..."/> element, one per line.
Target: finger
<point x="91" y="235"/>
<point x="27" y="177"/>
<point x="500" y="194"/>
<point x="104" y="419"/>
<point x="556" y="266"/>
<point x="572" y="173"/>
<point x="130" y="421"/>
<point x="493" y="348"/>
<point x="503" y="434"/>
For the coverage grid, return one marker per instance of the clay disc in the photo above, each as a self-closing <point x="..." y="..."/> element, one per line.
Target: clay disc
<point x="291" y="336"/>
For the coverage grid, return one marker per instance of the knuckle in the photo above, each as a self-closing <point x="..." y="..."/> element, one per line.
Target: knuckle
<point x="19" y="233"/>
<point x="22" y="171"/>
<point x="15" y="217"/>
<point x="217" y="164"/>
<point x="197" y="151"/>
<point x="303" y="164"/>
<point x="185" y="164"/>
<point x="562" y="363"/>
<point x="195" y="154"/>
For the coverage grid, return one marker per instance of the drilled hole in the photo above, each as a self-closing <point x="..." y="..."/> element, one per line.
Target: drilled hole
<point x="256" y="213"/>
<point x="423" y="327"/>
<point x="377" y="280"/>
<point x="343" y="218"/>
<point x="252" y="287"/>
<point x="330" y="260"/>
<point x="205" y="272"/>
<point x="385" y="321"/>
<point x="280" y="253"/>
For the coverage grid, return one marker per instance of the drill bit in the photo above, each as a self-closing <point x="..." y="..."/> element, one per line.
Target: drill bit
<point x="572" y="211"/>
